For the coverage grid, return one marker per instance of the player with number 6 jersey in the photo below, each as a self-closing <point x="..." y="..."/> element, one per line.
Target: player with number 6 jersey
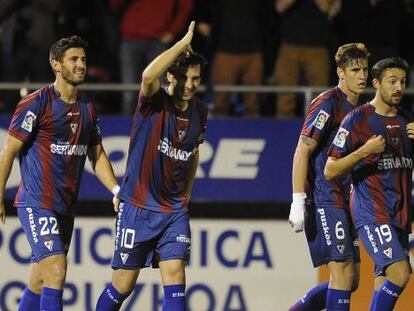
<point x="321" y="206"/>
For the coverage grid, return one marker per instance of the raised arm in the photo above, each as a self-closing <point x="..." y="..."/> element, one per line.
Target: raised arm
<point x="11" y="147"/>
<point x="306" y="146"/>
<point x="150" y="77"/>
<point x="337" y="167"/>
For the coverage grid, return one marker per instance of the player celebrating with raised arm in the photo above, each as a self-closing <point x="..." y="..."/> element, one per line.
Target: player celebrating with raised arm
<point x="327" y="201"/>
<point x="381" y="173"/>
<point x="52" y="131"/>
<point x="153" y="221"/>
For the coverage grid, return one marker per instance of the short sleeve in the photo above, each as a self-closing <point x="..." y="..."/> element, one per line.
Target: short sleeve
<point x="318" y="120"/>
<point x="342" y="144"/>
<point x="203" y="127"/>
<point x="96" y="137"/>
<point x="26" y="118"/>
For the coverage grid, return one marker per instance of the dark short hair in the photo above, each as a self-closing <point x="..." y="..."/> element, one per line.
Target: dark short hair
<point x="392" y="62"/>
<point x="185" y="60"/>
<point x="58" y="49"/>
<point x="349" y="53"/>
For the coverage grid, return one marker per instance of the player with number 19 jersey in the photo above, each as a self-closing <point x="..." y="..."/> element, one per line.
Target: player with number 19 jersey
<point x="57" y="136"/>
<point x="381" y="183"/>
<point x="163" y="140"/>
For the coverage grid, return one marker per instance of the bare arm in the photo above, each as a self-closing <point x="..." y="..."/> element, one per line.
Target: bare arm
<point x="337" y="167"/>
<point x="192" y="173"/>
<point x="306" y="146"/>
<point x="150" y="77"/>
<point x="11" y="147"/>
<point x="103" y="170"/>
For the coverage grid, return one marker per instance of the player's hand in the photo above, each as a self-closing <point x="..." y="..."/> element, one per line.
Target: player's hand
<point x="116" y="201"/>
<point x="296" y="216"/>
<point x="410" y="130"/>
<point x="2" y="213"/>
<point x="188" y="36"/>
<point x="374" y="145"/>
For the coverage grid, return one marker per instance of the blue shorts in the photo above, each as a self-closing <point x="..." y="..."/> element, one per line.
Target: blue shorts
<point x="143" y="237"/>
<point x="385" y="244"/>
<point x="330" y="235"/>
<point x="49" y="233"/>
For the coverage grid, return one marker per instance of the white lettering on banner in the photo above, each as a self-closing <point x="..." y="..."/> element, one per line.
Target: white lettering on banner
<point x="237" y="158"/>
<point x="234" y="158"/>
<point x="230" y="261"/>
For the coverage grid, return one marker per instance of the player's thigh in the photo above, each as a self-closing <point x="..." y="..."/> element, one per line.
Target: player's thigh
<point x="137" y="233"/>
<point x="175" y="242"/>
<point x="47" y="232"/>
<point x="385" y="244"/>
<point x="330" y="235"/>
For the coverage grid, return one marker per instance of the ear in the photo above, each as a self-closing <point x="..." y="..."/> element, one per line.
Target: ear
<point x="55" y="65"/>
<point x="375" y="83"/>
<point x="170" y="77"/>
<point x="340" y="73"/>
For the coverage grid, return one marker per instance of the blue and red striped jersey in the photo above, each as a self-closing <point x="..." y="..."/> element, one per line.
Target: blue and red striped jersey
<point x="321" y="123"/>
<point x="56" y="136"/>
<point x="381" y="183"/>
<point x="162" y="144"/>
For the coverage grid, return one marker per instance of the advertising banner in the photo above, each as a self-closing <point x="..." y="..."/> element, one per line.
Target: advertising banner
<point x="235" y="266"/>
<point x="241" y="160"/>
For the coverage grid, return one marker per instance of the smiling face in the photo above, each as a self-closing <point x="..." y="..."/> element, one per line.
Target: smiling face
<point x="72" y="68"/>
<point x="186" y="84"/>
<point x="354" y="76"/>
<point x="391" y="86"/>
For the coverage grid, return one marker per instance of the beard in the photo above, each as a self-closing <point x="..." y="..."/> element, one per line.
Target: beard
<point x="389" y="101"/>
<point x="69" y="77"/>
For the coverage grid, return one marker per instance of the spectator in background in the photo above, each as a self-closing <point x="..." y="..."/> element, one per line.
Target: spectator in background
<point x="28" y="30"/>
<point x="237" y="28"/>
<point x="305" y="42"/>
<point x="147" y="29"/>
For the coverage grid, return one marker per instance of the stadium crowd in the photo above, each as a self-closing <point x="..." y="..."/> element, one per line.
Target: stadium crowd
<point x="248" y="42"/>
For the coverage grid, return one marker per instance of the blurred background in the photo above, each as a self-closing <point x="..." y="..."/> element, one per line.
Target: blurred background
<point x="267" y="59"/>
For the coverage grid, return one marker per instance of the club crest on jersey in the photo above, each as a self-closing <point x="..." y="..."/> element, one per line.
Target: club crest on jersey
<point x="28" y="121"/>
<point x="124" y="257"/>
<point x="49" y="245"/>
<point x="340" y="137"/>
<point x="341" y="248"/>
<point x="181" y="134"/>
<point x="321" y="119"/>
<point x="73" y="127"/>
<point x="388" y="252"/>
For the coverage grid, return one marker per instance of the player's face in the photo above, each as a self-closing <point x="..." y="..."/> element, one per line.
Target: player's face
<point x="355" y="76"/>
<point x="392" y="86"/>
<point x="73" y="66"/>
<point x="188" y="83"/>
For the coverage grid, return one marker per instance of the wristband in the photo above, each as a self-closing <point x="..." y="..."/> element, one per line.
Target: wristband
<point x="115" y="189"/>
<point x="298" y="197"/>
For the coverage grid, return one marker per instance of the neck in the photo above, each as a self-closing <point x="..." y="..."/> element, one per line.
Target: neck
<point x="382" y="108"/>
<point x="180" y="105"/>
<point x="68" y="93"/>
<point x="351" y="96"/>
